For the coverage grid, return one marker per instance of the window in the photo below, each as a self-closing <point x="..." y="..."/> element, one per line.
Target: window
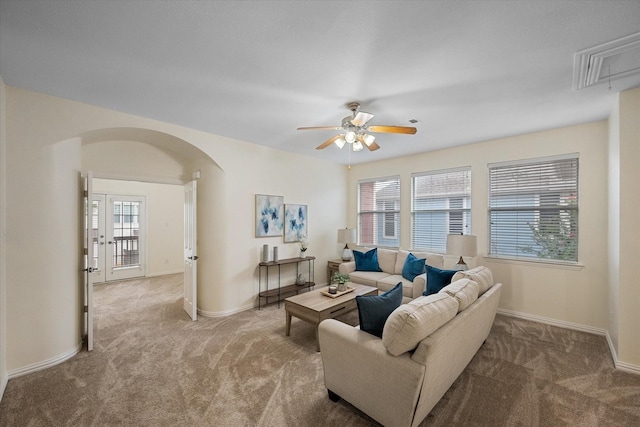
<point x="379" y="212"/>
<point x="533" y="209"/>
<point x="440" y="205"/>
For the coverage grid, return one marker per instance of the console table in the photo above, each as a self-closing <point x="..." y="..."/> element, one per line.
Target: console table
<point x="278" y="290"/>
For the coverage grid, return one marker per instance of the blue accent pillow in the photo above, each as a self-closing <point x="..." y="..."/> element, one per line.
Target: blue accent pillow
<point x="437" y="279"/>
<point x="413" y="266"/>
<point x="373" y="310"/>
<point x="366" y="261"/>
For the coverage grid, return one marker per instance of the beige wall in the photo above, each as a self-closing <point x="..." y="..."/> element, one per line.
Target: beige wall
<point x="3" y="229"/>
<point x="629" y="231"/>
<point x="571" y="295"/>
<point x="614" y="224"/>
<point x="44" y="147"/>
<point x="165" y="220"/>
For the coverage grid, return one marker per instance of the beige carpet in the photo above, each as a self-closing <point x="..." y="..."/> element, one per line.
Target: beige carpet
<point x="152" y="366"/>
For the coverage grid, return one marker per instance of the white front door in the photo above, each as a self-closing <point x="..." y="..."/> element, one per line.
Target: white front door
<point x="190" y="250"/>
<point x="126" y="231"/>
<point x="88" y="258"/>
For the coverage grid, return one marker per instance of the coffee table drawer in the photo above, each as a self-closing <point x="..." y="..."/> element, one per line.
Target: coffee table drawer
<point x="339" y="309"/>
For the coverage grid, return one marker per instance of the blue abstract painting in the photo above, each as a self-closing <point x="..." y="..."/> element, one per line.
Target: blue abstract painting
<point x="295" y="222"/>
<point x="269" y="215"/>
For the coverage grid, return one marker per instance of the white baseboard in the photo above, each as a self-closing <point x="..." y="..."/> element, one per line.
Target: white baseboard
<point x="623" y="366"/>
<point x="29" y="369"/>
<point x="3" y="384"/>
<point x="223" y="313"/>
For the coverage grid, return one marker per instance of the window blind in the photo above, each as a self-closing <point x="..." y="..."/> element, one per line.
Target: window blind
<point x="533" y="209"/>
<point x="440" y="205"/>
<point x="379" y="212"/>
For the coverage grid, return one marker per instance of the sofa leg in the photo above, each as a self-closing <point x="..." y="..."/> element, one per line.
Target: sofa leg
<point x="332" y="396"/>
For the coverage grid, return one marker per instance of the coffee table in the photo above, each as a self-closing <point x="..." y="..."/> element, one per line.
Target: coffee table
<point x="314" y="307"/>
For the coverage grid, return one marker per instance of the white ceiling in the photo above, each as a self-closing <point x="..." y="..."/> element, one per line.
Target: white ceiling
<point x="256" y="70"/>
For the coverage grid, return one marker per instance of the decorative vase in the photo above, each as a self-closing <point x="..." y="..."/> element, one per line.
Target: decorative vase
<point x="303" y="254"/>
<point x="275" y="254"/>
<point x="342" y="287"/>
<point x="265" y="253"/>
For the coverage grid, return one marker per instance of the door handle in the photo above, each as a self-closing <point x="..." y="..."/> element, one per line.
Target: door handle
<point x="195" y="257"/>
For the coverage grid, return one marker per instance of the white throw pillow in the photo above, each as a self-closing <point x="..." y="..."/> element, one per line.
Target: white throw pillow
<point x="412" y="322"/>
<point x="464" y="290"/>
<point x="481" y="275"/>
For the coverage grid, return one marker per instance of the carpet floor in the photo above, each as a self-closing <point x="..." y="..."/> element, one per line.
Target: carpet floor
<point x="153" y="366"/>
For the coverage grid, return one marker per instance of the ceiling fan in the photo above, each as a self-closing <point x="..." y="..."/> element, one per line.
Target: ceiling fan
<point x="355" y="131"/>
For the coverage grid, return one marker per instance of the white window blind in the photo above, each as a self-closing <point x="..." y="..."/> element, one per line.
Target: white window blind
<point x="533" y="209"/>
<point x="379" y="212"/>
<point x="440" y="205"/>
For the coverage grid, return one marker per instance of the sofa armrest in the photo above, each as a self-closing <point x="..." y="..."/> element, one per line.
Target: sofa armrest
<point x="419" y="285"/>
<point x="358" y="368"/>
<point x="347" y="267"/>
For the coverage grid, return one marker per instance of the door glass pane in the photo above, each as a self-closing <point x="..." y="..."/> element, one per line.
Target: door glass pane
<point x="126" y="230"/>
<point x="95" y="222"/>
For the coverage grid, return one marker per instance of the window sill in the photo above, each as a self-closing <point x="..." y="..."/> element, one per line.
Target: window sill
<point x="563" y="265"/>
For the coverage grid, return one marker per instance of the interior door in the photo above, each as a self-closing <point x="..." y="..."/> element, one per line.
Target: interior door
<point x="88" y="258"/>
<point x="190" y="250"/>
<point x="126" y="231"/>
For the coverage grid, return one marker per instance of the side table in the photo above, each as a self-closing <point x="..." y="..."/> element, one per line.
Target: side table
<point x="333" y="266"/>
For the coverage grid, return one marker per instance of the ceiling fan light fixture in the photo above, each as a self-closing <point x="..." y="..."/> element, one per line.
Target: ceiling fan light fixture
<point x="340" y="142"/>
<point x="350" y="137"/>
<point x="357" y="146"/>
<point x="368" y="139"/>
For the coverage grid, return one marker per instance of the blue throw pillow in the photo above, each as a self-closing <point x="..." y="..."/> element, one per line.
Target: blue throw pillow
<point x="413" y="266"/>
<point x="373" y="310"/>
<point x="366" y="261"/>
<point x="437" y="279"/>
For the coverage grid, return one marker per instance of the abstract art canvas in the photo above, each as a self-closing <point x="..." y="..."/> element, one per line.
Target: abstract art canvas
<point x="269" y="215"/>
<point x="295" y="222"/>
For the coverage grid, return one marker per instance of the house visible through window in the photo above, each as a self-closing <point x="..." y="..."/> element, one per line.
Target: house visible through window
<point x="440" y="205"/>
<point x="533" y="209"/>
<point x="379" y="212"/>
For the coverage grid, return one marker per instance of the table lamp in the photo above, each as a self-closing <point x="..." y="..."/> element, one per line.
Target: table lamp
<point x="461" y="245"/>
<point x="346" y="236"/>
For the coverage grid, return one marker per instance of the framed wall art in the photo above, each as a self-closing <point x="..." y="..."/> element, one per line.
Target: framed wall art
<point x="269" y="215"/>
<point x="295" y="222"/>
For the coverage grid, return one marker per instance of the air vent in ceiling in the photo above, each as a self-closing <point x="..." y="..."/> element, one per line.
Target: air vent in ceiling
<point x="607" y="62"/>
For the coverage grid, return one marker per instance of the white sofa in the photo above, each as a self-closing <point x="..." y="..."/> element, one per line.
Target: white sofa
<point x="391" y="263"/>
<point x="425" y="346"/>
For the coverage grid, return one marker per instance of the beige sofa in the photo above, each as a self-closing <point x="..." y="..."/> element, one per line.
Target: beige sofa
<point x="391" y="263"/>
<point x="425" y="346"/>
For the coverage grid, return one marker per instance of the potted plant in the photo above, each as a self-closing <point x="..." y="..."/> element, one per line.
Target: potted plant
<point x="341" y="280"/>
<point x="304" y="245"/>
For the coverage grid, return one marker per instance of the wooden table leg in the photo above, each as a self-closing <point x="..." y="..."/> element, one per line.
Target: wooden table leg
<point x="288" y="328"/>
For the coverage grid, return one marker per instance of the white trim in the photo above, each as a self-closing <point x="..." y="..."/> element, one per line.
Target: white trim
<point x="535" y="262"/>
<point x="383" y="178"/>
<point x="149" y="179"/>
<point x="534" y="160"/>
<point x="39" y="366"/>
<point x="622" y="366"/>
<point x="442" y="171"/>
<point x="223" y="313"/>
<point x="3" y="385"/>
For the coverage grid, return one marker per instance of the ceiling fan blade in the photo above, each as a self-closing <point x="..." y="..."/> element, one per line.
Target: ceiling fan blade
<point x="393" y="129"/>
<point x="361" y="118"/>
<point x="320" y="127"/>
<point x="328" y="142"/>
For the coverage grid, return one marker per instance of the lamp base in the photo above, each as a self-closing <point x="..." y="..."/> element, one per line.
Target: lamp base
<point x="461" y="265"/>
<point x="346" y="253"/>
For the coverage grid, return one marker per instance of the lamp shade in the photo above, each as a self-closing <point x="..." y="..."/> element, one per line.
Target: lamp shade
<point x="347" y="235"/>
<point x="462" y="245"/>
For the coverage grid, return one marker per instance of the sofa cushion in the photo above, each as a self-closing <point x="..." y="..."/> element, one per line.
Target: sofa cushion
<point x="388" y="282"/>
<point x="387" y="260"/>
<point x="435" y="260"/>
<point x="437" y="279"/>
<point x="464" y="290"/>
<point x="481" y="275"/>
<point x="413" y="266"/>
<point x="369" y="278"/>
<point x="373" y="311"/>
<point x="412" y="322"/>
<point x="366" y="261"/>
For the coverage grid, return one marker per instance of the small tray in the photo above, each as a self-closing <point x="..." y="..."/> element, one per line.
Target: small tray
<point x="325" y="291"/>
